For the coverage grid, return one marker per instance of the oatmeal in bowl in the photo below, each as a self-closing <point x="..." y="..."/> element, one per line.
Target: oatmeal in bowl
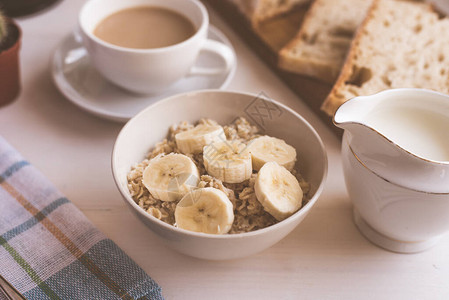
<point x="211" y="179"/>
<point x="229" y="159"/>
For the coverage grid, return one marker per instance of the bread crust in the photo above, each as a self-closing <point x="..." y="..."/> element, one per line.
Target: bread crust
<point x="332" y="101"/>
<point x="335" y="97"/>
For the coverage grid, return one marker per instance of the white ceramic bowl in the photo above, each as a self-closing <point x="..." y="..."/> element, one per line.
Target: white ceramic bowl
<point x="151" y="125"/>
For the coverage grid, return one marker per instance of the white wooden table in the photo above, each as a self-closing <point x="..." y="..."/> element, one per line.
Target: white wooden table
<point x="324" y="258"/>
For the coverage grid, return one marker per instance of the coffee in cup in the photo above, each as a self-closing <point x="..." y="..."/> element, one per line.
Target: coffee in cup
<point x="145" y="27"/>
<point x="149" y="62"/>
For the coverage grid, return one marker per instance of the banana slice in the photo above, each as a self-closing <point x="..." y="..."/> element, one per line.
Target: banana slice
<point x="206" y="210"/>
<point x="266" y="148"/>
<point x="170" y="177"/>
<point x="194" y="140"/>
<point x="278" y="191"/>
<point x="229" y="161"/>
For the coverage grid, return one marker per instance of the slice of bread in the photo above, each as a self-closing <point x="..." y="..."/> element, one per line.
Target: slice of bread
<point x="400" y="44"/>
<point x="320" y="47"/>
<point x="276" y="32"/>
<point x="260" y="10"/>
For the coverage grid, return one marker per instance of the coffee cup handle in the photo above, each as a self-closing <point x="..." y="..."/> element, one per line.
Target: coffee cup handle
<point x="219" y="49"/>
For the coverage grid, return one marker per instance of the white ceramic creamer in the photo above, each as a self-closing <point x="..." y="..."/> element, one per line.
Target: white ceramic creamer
<point x="395" y="154"/>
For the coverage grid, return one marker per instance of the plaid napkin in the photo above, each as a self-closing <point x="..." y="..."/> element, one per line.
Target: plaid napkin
<point x="49" y="249"/>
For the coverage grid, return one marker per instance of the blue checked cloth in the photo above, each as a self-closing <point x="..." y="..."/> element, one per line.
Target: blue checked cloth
<point x="50" y="250"/>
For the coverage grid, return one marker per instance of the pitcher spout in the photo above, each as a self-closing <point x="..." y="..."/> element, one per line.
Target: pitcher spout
<point x="354" y="111"/>
<point x="351" y="116"/>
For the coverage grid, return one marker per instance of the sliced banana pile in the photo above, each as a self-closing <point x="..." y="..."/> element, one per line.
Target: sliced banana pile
<point x="266" y="148"/>
<point x="194" y="140"/>
<point x="170" y="177"/>
<point x="206" y="210"/>
<point x="175" y="176"/>
<point x="278" y="191"/>
<point x="229" y="161"/>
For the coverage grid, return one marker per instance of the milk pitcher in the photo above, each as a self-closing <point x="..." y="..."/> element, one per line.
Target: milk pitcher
<point x="395" y="154"/>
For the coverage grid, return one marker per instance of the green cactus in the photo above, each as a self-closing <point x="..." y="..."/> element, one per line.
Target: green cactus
<point x="3" y="28"/>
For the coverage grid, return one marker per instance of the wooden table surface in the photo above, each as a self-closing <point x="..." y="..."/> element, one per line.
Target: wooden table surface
<point x="324" y="258"/>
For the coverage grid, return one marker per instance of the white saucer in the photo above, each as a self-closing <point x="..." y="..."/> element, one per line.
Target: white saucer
<point x="85" y="87"/>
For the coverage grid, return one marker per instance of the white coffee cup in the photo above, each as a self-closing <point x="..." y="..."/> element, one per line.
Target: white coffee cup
<point x="153" y="70"/>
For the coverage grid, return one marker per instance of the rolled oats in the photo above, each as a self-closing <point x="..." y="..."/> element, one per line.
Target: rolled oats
<point x="249" y="214"/>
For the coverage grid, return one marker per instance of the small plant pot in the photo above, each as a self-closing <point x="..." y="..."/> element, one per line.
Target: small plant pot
<point x="9" y="65"/>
